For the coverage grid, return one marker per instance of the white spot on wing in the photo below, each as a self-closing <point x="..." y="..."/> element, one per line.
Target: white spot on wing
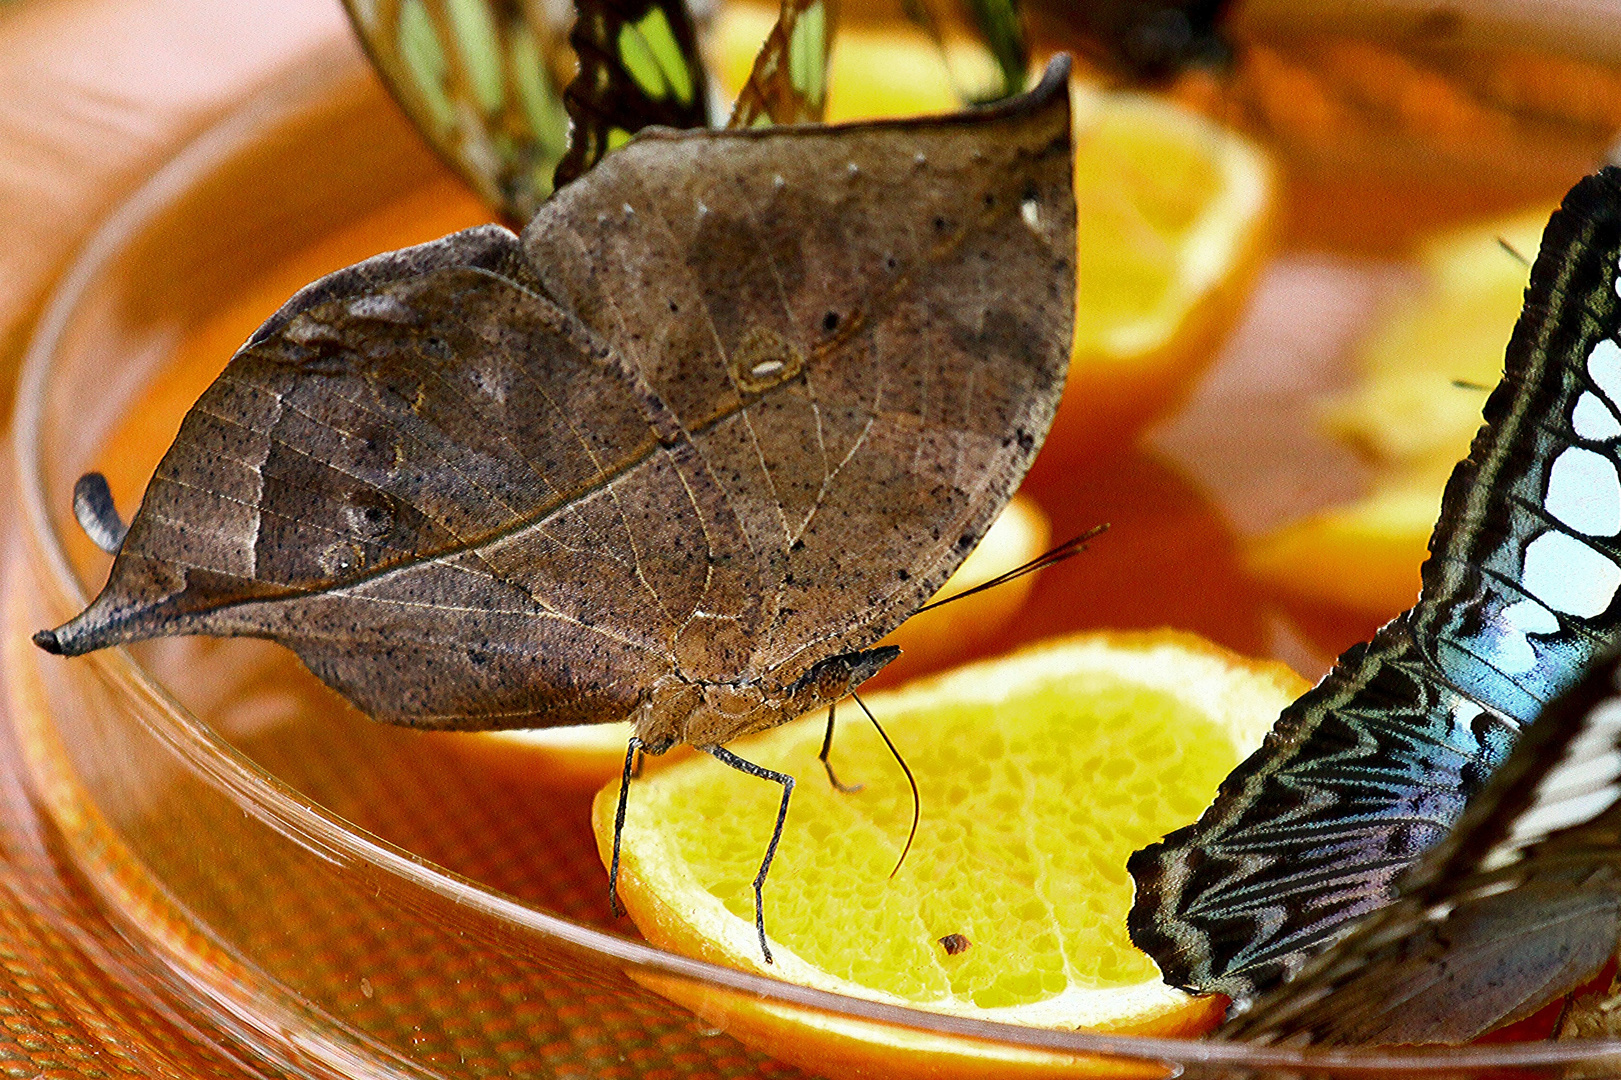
<point x="1569" y="576"/>
<point x="1511" y="650"/>
<point x="1584" y="492"/>
<point x="1530" y="617"/>
<point x="1030" y="210"/>
<point x="1593" y="419"/>
<point x="1604" y="368"/>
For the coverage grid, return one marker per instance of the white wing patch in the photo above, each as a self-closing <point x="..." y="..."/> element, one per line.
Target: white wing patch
<point x="1584" y="492"/>
<point x="1569" y="576"/>
<point x="1593" y="419"/>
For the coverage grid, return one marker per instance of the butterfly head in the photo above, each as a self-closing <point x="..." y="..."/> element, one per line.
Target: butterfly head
<point x="678" y="710"/>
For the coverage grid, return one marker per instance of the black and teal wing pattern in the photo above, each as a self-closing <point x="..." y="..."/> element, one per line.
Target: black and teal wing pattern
<point x="1374" y="765"/>
<point x="639" y="66"/>
<point x="1519" y="904"/>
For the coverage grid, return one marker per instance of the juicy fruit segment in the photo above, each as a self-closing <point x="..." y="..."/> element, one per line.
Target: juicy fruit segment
<point x="1426" y="371"/>
<point x="1001" y="780"/>
<point x="1039" y="772"/>
<point x="588" y="757"/>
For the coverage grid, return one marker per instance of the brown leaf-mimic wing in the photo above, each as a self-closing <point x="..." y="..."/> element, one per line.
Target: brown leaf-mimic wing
<point x="737" y="403"/>
<point x="1518" y="905"/>
<point x="788" y="83"/>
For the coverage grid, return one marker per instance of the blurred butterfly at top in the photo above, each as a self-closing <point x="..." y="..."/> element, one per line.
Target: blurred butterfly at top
<point x="1373" y="767"/>
<point x="480" y="78"/>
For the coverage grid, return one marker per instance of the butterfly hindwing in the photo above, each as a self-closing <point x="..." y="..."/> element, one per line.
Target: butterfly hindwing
<point x="1517" y="905"/>
<point x="474" y="78"/>
<point x="639" y="65"/>
<point x="1373" y="765"/>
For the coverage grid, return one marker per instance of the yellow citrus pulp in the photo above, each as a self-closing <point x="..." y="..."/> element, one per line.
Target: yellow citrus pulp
<point x="1039" y="772"/>
<point x="1413" y="420"/>
<point x="587" y="757"/>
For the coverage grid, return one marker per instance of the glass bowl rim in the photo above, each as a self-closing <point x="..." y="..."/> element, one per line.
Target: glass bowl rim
<point x="303" y="85"/>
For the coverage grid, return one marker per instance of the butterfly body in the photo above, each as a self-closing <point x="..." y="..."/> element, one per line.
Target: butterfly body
<point x="1374" y="765"/>
<point x="732" y="407"/>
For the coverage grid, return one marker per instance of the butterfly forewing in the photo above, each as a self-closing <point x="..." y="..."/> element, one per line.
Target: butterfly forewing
<point x="1372" y="767"/>
<point x="639" y="65"/>
<point x="735" y="404"/>
<point x="1517" y="905"/>
<point x="475" y="79"/>
<point x="815" y="351"/>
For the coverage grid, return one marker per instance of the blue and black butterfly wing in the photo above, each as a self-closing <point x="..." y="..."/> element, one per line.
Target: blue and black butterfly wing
<point x="639" y="66"/>
<point x="1519" y="904"/>
<point x="475" y="78"/>
<point x="1373" y="766"/>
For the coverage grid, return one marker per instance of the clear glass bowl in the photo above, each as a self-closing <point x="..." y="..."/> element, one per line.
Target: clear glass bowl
<point x="339" y="897"/>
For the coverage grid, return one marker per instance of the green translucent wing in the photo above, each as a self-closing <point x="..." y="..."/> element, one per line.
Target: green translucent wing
<point x="473" y="76"/>
<point x="639" y="65"/>
<point x="788" y="84"/>
<point x="999" y="24"/>
<point x="1000" y="27"/>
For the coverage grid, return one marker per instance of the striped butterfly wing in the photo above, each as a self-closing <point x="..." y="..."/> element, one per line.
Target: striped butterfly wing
<point x="1372" y="767"/>
<point x="639" y="66"/>
<point x="1520" y="903"/>
<point x="788" y="83"/>
<point x="475" y="78"/>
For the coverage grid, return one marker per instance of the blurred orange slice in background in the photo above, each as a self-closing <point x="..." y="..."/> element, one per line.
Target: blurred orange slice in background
<point x="1425" y="372"/>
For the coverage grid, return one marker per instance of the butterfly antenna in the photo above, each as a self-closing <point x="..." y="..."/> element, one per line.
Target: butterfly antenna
<point x="1073" y="546"/>
<point x="1465" y="384"/>
<point x="632" y="755"/>
<point x="98" y="517"/>
<point x="1512" y="250"/>
<point x="917" y="803"/>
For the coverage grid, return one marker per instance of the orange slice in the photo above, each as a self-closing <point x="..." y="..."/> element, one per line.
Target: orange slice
<point x="1426" y="369"/>
<point x="1040" y="773"/>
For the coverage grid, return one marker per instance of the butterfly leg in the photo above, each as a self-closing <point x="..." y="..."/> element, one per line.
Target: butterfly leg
<point x="827" y="747"/>
<point x="726" y="757"/>
<point x="632" y="756"/>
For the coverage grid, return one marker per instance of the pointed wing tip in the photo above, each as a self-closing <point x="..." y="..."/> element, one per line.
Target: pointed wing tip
<point x="1055" y="78"/>
<point x="47" y="640"/>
